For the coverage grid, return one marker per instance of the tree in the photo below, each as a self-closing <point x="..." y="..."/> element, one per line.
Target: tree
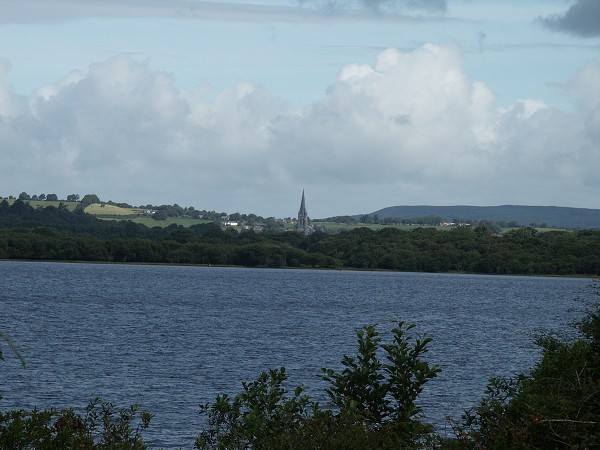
<point x="374" y="403"/>
<point x="257" y="416"/>
<point x="383" y="392"/>
<point x="90" y="199"/>
<point x="24" y="196"/>
<point x="52" y="198"/>
<point x="161" y="214"/>
<point x="72" y="197"/>
<point x="482" y="231"/>
<point x="42" y="197"/>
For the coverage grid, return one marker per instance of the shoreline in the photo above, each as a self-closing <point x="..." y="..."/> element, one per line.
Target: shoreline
<point x="346" y="269"/>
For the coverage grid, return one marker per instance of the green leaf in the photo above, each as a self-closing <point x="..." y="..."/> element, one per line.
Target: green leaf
<point x="13" y="347"/>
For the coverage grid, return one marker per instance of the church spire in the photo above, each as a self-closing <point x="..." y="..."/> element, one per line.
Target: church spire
<point x="302" y="211"/>
<point x="303" y="225"/>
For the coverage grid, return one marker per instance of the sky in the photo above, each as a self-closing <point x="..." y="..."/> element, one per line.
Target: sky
<point x="239" y="106"/>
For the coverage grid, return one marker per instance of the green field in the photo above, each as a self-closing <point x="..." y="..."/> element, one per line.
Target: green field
<point x="150" y="222"/>
<point x="111" y="212"/>
<point x="98" y="209"/>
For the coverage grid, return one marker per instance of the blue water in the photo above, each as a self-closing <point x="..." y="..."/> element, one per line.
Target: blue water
<point x="171" y="338"/>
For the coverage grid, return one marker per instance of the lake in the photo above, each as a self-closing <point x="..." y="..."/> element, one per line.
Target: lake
<point x="170" y="338"/>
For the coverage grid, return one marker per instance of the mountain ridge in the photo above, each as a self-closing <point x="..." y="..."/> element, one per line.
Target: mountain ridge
<point x="553" y="216"/>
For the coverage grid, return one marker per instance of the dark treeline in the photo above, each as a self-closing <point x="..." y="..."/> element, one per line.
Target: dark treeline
<point x="56" y="234"/>
<point x="375" y="219"/>
<point x="463" y="249"/>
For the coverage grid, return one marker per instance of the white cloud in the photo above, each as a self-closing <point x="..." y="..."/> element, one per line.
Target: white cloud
<point x="411" y="115"/>
<point x="48" y="91"/>
<point x="9" y="103"/>
<point x="586" y="87"/>
<point x="411" y="128"/>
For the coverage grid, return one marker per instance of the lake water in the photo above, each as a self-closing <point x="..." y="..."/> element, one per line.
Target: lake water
<point x="171" y="338"/>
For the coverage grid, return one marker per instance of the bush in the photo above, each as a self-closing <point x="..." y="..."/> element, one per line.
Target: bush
<point x="556" y="406"/>
<point x="102" y="427"/>
<point x="372" y="403"/>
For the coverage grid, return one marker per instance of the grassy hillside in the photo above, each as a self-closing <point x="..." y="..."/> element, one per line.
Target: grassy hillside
<point x="98" y="209"/>
<point x="150" y="222"/>
<point x="553" y="216"/>
<point x="112" y="212"/>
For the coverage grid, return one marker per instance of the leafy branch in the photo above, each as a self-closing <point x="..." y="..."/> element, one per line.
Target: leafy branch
<point x="13" y="347"/>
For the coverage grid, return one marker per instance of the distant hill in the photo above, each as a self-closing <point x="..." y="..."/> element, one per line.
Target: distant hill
<point x="552" y="216"/>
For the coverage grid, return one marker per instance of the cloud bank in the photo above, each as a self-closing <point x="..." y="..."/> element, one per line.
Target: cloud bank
<point x="410" y="129"/>
<point x="581" y="19"/>
<point x="300" y="11"/>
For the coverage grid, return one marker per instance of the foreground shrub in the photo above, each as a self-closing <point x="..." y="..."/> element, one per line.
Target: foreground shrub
<point x="557" y="406"/>
<point x="102" y="427"/>
<point x="372" y="403"/>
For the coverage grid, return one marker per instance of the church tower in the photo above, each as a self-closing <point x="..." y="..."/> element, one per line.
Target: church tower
<point x="303" y="226"/>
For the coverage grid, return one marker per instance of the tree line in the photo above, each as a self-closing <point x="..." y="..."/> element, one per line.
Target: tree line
<point x="54" y="233"/>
